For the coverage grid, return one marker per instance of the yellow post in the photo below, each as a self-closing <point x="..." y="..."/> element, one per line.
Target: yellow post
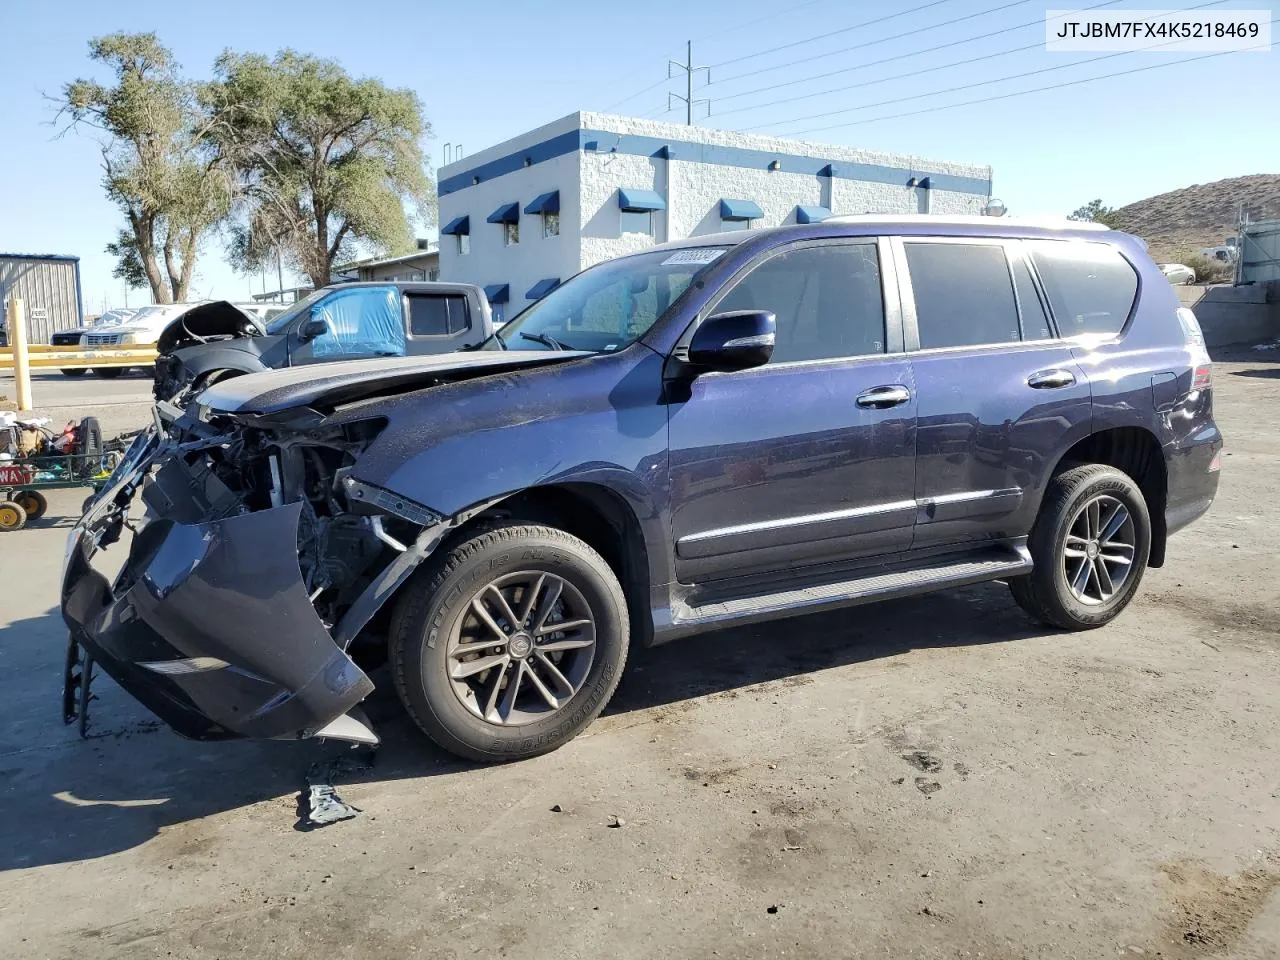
<point x="18" y="342"/>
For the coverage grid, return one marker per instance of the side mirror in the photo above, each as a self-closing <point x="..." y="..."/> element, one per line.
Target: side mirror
<point x="313" y="327"/>
<point x="737" y="340"/>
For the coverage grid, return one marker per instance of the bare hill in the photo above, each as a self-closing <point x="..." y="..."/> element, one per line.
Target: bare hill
<point x="1201" y="215"/>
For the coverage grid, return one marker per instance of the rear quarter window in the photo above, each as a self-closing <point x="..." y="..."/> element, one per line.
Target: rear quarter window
<point x="1090" y="286"/>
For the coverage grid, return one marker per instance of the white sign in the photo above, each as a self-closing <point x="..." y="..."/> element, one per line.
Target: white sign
<point x="698" y="255"/>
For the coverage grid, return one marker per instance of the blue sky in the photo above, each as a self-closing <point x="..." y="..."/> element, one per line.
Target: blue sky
<point x="489" y="71"/>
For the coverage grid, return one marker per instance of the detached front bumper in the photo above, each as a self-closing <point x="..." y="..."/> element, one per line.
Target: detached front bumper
<point x="209" y="624"/>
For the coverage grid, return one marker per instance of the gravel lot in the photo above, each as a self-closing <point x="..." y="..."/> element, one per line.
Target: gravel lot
<point x="935" y="777"/>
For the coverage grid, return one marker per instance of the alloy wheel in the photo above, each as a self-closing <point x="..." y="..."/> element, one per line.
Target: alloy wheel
<point x="1099" y="548"/>
<point x="522" y="648"/>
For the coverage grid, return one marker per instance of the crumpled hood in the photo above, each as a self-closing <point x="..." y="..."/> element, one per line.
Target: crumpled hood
<point x="216" y="320"/>
<point x="331" y="384"/>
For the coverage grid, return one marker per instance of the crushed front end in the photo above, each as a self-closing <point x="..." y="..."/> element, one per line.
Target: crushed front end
<point x="255" y="561"/>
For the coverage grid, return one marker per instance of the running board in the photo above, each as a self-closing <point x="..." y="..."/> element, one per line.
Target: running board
<point x="881" y="584"/>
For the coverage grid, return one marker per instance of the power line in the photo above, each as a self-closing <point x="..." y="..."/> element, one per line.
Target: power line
<point x="1023" y="93"/>
<point x="881" y="62"/>
<point x="832" y="33"/>
<point x="638" y="93"/>
<point x="752" y="23"/>
<point x="944" y="66"/>
<point x="869" y="43"/>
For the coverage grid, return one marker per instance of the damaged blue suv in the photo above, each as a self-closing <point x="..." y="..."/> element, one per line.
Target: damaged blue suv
<point x="701" y="435"/>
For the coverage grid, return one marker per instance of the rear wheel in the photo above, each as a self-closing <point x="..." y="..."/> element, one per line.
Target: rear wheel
<point x="33" y="503"/>
<point x="12" y="516"/>
<point x="1090" y="546"/>
<point x="74" y="371"/>
<point x="510" y="643"/>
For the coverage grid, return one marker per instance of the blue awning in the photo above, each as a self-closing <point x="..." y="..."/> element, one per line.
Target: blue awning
<point x="546" y="203"/>
<point x="740" y="210"/>
<point x="458" y="225"/>
<point x="640" y="200"/>
<point x="498" y="292"/>
<point x="811" y="214"/>
<point x="507" y="213"/>
<point x="542" y="288"/>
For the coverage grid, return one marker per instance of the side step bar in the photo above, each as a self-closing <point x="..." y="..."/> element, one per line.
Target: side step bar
<point x="878" y="584"/>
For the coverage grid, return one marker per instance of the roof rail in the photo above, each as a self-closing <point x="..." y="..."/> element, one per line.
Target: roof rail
<point x="1058" y="223"/>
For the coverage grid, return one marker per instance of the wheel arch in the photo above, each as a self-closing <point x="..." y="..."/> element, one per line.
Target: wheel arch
<point x="1136" y="452"/>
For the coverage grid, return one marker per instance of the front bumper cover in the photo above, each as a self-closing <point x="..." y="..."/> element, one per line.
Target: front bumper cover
<point x="227" y="589"/>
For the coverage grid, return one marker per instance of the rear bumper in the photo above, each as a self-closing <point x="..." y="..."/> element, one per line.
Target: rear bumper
<point x="1193" y="478"/>
<point x="221" y="607"/>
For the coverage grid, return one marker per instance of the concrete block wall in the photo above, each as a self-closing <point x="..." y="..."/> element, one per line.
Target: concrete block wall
<point x="588" y="157"/>
<point x="1235" y="315"/>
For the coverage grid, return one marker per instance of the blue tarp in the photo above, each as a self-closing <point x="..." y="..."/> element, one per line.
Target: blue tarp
<point x="458" y="225"/>
<point x="811" y="214"/>
<point x="362" y="321"/>
<point x="740" y="210"/>
<point x="545" y="203"/>
<point x="630" y="198"/>
<point x="542" y="288"/>
<point x="507" y="213"/>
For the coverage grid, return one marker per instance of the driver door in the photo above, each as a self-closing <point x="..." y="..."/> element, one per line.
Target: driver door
<point x="358" y="322"/>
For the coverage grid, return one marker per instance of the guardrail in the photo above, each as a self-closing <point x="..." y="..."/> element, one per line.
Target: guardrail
<point x="40" y="355"/>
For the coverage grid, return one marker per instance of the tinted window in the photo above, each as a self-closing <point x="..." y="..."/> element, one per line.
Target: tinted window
<point x="963" y="294"/>
<point x="1035" y="322"/>
<point x="1090" y="286"/>
<point x="436" y="316"/>
<point x="826" y="299"/>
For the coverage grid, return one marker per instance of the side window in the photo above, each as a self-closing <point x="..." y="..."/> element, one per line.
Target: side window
<point x="1090" y="286"/>
<point x="827" y="301"/>
<point x="1035" y="322"/>
<point x="963" y="294"/>
<point x="436" y="316"/>
<point x="364" y="321"/>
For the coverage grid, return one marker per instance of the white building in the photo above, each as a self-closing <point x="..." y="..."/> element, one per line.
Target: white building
<point x="522" y="216"/>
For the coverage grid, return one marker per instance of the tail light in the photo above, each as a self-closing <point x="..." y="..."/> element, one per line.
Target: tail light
<point x="1203" y="377"/>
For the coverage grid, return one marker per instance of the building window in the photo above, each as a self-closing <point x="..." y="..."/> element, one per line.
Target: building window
<point x="511" y="233"/>
<point x="464" y="244"/>
<point x="551" y="225"/>
<point x="637" y="221"/>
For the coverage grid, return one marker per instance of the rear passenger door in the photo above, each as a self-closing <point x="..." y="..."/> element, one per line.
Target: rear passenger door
<point x="1000" y="396"/>
<point x="437" y="322"/>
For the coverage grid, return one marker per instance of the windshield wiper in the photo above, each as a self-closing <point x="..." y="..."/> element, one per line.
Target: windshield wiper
<point x="544" y="339"/>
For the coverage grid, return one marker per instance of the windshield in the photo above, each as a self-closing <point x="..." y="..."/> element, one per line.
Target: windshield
<point x="279" y="323"/>
<point x="608" y="306"/>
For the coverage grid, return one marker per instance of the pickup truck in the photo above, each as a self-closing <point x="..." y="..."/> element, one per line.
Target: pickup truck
<point x="341" y="322"/>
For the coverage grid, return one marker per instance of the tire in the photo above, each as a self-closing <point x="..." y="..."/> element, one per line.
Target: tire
<point x="33" y="503"/>
<point x="12" y="516"/>
<point x="436" y="613"/>
<point x="1062" y="543"/>
<point x="74" y="371"/>
<point x="108" y="373"/>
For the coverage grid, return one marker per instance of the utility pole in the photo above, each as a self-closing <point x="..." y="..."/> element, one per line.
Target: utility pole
<point x="689" y="70"/>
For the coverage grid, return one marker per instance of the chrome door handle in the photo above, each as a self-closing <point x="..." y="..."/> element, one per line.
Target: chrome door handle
<point x="1051" y="379"/>
<point x="881" y="398"/>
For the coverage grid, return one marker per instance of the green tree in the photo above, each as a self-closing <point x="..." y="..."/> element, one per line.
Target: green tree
<point x="1095" y="210"/>
<point x="324" y="161"/>
<point x="158" y="168"/>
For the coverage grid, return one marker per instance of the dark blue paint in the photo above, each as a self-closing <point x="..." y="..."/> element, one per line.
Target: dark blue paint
<point x="507" y="213"/>
<point x="457" y="226"/>
<point x="545" y="203"/>
<point x="542" y="288"/>
<point x="498" y="292"/>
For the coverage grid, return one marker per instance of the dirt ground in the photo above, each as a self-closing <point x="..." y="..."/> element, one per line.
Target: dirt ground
<point x="935" y="777"/>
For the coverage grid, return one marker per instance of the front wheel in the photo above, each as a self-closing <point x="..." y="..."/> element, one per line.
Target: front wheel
<point x="509" y="643"/>
<point x="74" y="371"/>
<point x="108" y="373"/>
<point x="1089" y="545"/>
